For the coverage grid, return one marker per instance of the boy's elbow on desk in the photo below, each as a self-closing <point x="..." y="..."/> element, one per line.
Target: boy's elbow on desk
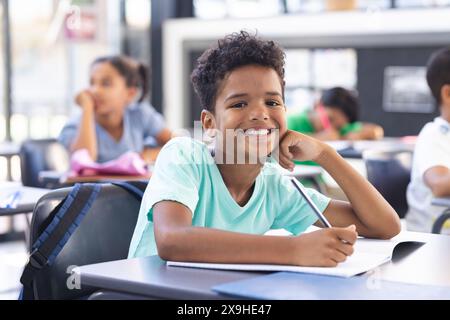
<point x="170" y="244"/>
<point x="384" y="225"/>
<point x="165" y="253"/>
<point x="390" y="229"/>
<point x="166" y="246"/>
<point x="392" y="232"/>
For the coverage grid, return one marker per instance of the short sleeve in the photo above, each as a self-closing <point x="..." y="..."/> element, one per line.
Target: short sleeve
<point x="153" y="124"/>
<point x="294" y="213"/>
<point x="68" y="133"/>
<point x="175" y="178"/>
<point x="431" y="150"/>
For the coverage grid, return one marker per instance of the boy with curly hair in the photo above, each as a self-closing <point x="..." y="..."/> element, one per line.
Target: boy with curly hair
<point x="215" y="207"/>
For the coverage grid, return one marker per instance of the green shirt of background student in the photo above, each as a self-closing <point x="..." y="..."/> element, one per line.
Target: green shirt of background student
<point x="335" y="117"/>
<point x="341" y="113"/>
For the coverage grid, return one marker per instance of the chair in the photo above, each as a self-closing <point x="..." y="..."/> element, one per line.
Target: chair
<point x="440" y="221"/>
<point x="41" y="155"/>
<point x="389" y="171"/>
<point x="103" y="235"/>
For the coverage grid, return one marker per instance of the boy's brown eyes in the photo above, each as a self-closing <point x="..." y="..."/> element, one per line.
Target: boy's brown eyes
<point x="273" y="103"/>
<point x="270" y="103"/>
<point x="238" y="105"/>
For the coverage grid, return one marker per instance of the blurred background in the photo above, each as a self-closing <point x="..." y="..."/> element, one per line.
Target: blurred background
<point x="376" y="48"/>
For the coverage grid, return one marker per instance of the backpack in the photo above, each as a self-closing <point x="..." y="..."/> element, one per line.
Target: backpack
<point x="66" y="217"/>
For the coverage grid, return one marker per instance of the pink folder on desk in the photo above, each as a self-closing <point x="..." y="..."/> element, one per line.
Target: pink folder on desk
<point x="130" y="163"/>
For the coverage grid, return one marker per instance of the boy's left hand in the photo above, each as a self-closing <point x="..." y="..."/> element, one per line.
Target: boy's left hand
<point x="300" y="147"/>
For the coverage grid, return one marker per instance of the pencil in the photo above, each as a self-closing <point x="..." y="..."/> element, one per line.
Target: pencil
<point x="319" y="214"/>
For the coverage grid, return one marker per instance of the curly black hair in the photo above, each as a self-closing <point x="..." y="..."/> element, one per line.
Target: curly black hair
<point x="342" y="99"/>
<point x="233" y="51"/>
<point x="438" y="72"/>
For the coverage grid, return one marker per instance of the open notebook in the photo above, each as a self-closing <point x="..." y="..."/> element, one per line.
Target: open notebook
<point x="368" y="254"/>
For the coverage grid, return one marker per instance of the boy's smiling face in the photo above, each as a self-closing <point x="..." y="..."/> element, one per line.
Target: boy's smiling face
<point x="249" y="114"/>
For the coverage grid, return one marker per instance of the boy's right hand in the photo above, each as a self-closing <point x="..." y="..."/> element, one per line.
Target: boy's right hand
<point x="85" y="99"/>
<point x="325" y="247"/>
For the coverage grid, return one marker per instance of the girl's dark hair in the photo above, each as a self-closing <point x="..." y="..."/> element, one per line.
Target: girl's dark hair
<point x="234" y="51"/>
<point x="438" y="72"/>
<point x="343" y="100"/>
<point x="136" y="74"/>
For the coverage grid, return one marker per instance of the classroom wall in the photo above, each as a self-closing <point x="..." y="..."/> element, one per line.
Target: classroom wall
<point x="370" y="81"/>
<point x="371" y="66"/>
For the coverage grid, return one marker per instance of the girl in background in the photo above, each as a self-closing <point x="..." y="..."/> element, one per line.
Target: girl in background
<point x="114" y="116"/>
<point x="335" y="117"/>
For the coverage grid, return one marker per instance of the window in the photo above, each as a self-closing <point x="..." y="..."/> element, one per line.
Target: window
<point x="53" y="45"/>
<point x="216" y="9"/>
<point x="2" y="81"/>
<point x="421" y="3"/>
<point x="309" y="71"/>
<point x="138" y="13"/>
<point x="137" y="29"/>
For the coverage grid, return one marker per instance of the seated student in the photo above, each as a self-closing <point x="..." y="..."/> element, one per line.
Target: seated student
<point x="114" y="117"/>
<point x="430" y="175"/>
<point x="335" y="117"/>
<point x="216" y="206"/>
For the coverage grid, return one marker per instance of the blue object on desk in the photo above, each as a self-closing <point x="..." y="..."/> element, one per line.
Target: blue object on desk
<point x="11" y="201"/>
<point x="298" y="286"/>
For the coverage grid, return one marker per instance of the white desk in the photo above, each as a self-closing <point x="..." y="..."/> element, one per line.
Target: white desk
<point x="29" y="197"/>
<point x="442" y="202"/>
<point x="303" y="171"/>
<point x="149" y="277"/>
<point x="9" y="150"/>
<point x="355" y="149"/>
<point x="311" y="173"/>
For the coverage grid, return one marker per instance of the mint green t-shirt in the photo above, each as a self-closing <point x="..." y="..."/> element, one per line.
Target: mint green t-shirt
<point x="185" y="172"/>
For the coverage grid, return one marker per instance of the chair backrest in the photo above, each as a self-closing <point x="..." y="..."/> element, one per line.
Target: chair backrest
<point x="440" y="222"/>
<point x="389" y="171"/>
<point x="41" y="155"/>
<point x="103" y="235"/>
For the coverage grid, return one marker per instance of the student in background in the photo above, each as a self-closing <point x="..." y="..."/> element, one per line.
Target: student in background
<point x="215" y="206"/>
<point x="114" y="116"/>
<point x="430" y="175"/>
<point x="335" y="117"/>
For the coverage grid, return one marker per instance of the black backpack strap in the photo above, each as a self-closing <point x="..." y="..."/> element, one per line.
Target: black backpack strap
<point x="136" y="188"/>
<point x="69" y="215"/>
